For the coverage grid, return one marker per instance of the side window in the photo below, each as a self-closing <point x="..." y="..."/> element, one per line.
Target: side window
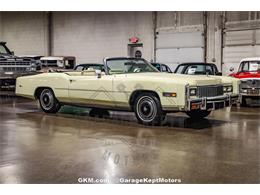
<point x="79" y="68"/>
<point x="168" y="70"/>
<point x="179" y="69"/>
<point x="210" y="70"/>
<point x="157" y="66"/>
<point x="215" y="69"/>
<point x="244" y="67"/>
<point x="164" y="68"/>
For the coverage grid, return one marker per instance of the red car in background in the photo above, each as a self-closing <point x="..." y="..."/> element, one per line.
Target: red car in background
<point x="249" y="74"/>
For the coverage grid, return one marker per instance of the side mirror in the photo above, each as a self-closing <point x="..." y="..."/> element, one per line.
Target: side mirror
<point x="98" y="73"/>
<point x="231" y="69"/>
<point x="12" y="53"/>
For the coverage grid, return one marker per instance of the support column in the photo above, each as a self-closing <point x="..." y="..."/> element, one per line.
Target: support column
<point x="49" y="33"/>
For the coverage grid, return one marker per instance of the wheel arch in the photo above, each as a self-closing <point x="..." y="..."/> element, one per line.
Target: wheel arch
<point x="38" y="91"/>
<point x="136" y="93"/>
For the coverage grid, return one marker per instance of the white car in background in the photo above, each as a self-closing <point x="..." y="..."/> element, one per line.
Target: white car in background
<point x="57" y="63"/>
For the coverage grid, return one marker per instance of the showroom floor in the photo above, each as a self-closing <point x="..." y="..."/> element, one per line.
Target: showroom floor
<point x="40" y="148"/>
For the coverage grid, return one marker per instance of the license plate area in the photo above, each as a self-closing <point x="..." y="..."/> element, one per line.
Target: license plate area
<point x="253" y="91"/>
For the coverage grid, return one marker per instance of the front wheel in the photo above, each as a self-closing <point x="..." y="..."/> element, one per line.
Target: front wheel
<point x="198" y="114"/>
<point x="148" y="109"/>
<point x="48" y="101"/>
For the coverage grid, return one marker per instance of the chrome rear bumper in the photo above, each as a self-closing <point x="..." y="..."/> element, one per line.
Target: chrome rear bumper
<point x="212" y="103"/>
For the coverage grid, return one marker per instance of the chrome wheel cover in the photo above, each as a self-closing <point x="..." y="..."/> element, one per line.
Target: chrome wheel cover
<point x="47" y="99"/>
<point x="146" y="108"/>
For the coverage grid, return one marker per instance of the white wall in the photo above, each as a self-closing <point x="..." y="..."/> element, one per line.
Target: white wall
<point x="91" y="36"/>
<point x="25" y="32"/>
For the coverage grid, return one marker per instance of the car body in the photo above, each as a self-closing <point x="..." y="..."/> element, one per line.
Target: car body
<point x="36" y="58"/>
<point x="87" y="66"/>
<point x="12" y="67"/>
<point x="197" y="68"/>
<point x="57" y="63"/>
<point x="249" y="74"/>
<point x="162" y="67"/>
<point x="131" y="84"/>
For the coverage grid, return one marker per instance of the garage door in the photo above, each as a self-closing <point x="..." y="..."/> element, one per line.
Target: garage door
<point x="239" y="44"/>
<point x="173" y="48"/>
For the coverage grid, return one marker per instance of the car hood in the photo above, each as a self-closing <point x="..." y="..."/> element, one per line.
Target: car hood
<point x="180" y="78"/>
<point x="246" y="75"/>
<point x="5" y="57"/>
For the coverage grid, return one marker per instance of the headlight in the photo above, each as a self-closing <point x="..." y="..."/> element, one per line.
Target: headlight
<point x="193" y="92"/>
<point x="243" y="90"/>
<point x="33" y="68"/>
<point x="227" y="89"/>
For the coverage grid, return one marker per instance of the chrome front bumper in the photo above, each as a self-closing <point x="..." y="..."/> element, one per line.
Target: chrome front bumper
<point x="212" y="103"/>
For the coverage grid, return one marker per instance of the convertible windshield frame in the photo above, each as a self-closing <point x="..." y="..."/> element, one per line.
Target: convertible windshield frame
<point x="8" y="52"/>
<point x="107" y="68"/>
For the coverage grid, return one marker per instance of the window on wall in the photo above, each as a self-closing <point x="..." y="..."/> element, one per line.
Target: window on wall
<point x="241" y="16"/>
<point x="190" y="18"/>
<point x="237" y="16"/>
<point x="180" y="18"/>
<point x="166" y="19"/>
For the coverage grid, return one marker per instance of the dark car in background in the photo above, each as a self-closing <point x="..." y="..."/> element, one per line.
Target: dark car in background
<point x="162" y="67"/>
<point x="197" y="68"/>
<point x="12" y="67"/>
<point x="36" y="58"/>
<point x="94" y="66"/>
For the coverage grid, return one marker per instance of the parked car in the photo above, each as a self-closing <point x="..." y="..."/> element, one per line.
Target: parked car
<point x="198" y="68"/>
<point x="131" y="84"/>
<point x="249" y="74"/>
<point x="82" y="67"/>
<point x="57" y="63"/>
<point x="36" y="58"/>
<point x="12" y="66"/>
<point x="162" y="67"/>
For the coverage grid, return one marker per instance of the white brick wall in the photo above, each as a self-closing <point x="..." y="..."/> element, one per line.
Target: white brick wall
<point x="91" y="36"/>
<point x="25" y="32"/>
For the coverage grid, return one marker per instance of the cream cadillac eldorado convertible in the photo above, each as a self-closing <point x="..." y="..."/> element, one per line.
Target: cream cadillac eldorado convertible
<point x="131" y="84"/>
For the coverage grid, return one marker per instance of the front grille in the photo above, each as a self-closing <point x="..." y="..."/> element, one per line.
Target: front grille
<point x="49" y="62"/>
<point x="210" y="91"/>
<point x="250" y="83"/>
<point x="14" y="63"/>
<point x="14" y="69"/>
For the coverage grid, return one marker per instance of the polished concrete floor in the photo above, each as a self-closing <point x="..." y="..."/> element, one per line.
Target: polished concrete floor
<point x="41" y="148"/>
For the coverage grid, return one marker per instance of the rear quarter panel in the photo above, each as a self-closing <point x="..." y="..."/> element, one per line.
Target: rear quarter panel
<point x="27" y="85"/>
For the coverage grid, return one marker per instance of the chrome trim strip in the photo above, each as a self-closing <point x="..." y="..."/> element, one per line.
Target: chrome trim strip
<point x="92" y="90"/>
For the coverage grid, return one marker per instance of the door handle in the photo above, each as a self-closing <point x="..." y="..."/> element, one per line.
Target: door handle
<point x="71" y="80"/>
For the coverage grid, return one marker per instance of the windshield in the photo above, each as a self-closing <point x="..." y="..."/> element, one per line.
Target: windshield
<point x="131" y="65"/>
<point x="199" y="69"/>
<point x="4" y="50"/>
<point x="252" y="66"/>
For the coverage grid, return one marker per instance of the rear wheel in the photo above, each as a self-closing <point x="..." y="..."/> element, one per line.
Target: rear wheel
<point x="48" y="101"/>
<point x="198" y="114"/>
<point x="148" y="109"/>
